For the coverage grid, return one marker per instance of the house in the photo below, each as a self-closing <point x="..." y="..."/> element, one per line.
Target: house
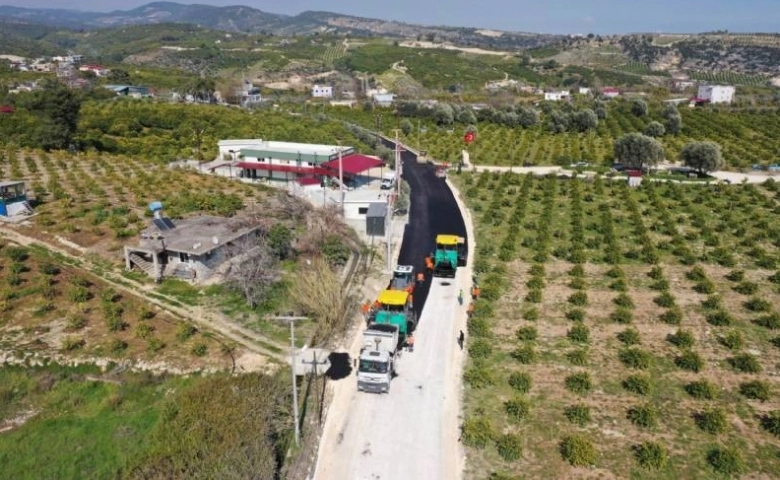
<point x="191" y="249"/>
<point x="98" y="70"/>
<point x="557" y="95"/>
<point x="264" y="160"/>
<point x="610" y="92"/>
<point x="634" y="178"/>
<point x="384" y="99"/>
<point x="716" y="93"/>
<point x="13" y="199"/>
<point x="129" y="90"/>
<point x="679" y="84"/>
<point x="322" y="91"/>
<point x="250" y="95"/>
<point x="584" y="91"/>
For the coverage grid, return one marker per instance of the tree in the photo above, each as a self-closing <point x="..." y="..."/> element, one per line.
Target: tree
<point x="585" y="120"/>
<point x="406" y="126"/>
<point x="443" y="114"/>
<point x="655" y="129"/>
<point x="527" y="117"/>
<point x="673" y="119"/>
<point x="559" y="122"/>
<point x="253" y="270"/>
<point x="704" y="157"/>
<point x="467" y="116"/>
<point x="637" y="150"/>
<point x="639" y="107"/>
<point x="601" y="111"/>
<point x="319" y="293"/>
<point x="280" y="241"/>
<point x="56" y="108"/>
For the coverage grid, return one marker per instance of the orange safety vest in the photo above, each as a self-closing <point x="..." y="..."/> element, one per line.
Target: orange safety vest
<point x="410" y="340"/>
<point x="420" y="277"/>
<point x="365" y="308"/>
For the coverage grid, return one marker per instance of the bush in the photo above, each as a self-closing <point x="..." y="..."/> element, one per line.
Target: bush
<point x="745" y="363"/>
<point x="681" y="338"/>
<point x="651" y="455"/>
<point x="75" y="322"/>
<point x="696" y="274"/>
<point x="531" y="314"/>
<point x="526" y="334"/>
<point x="638" y="384"/>
<point x="656" y="273"/>
<point x="736" y="275"/>
<point x="711" y="420"/>
<point x="635" y="358"/>
<point x="673" y="316"/>
<point x="17" y="254"/>
<point x="689" y="360"/>
<point x="520" y="382"/>
<point x="755" y="390"/>
<point x="623" y="301"/>
<point x="480" y="348"/>
<point x="49" y="269"/>
<point x="517" y="408"/>
<point x="771" y="321"/>
<point x="200" y="349"/>
<point x="578" y="451"/>
<point x="78" y="294"/>
<point x="733" y="340"/>
<point x="756" y="304"/>
<point x="478" y="327"/>
<point x="771" y="422"/>
<point x="746" y="288"/>
<point x="533" y="296"/>
<point x="579" y="299"/>
<point x="578" y="357"/>
<point x="726" y="461"/>
<point x="525" y="355"/>
<point x="185" y="330"/>
<point x="579" y="332"/>
<point x="622" y="315"/>
<point x="509" y="447"/>
<point x="719" y="318"/>
<point x="575" y="315"/>
<point x="478" y="375"/>
<point x="629" y="336"/>
<point x="665" y="300"/>
<point x="115" y="323"/>
<point x="713" y="302"/>
<point x="154" y="345"/>
<point x="476" y="432"/>
<point x="660" y="285"/>
<point x="700" y="390"/>
<point x="705" y="287"/>
<point x="144" y="331"/>
<point x="578" y="414"/>
<point x="117" y="345"/>
<point x="577" y="283"/>
<point x="578" y="383"/>
<point x="70" y="344"/>
<point x="645" y="416"/>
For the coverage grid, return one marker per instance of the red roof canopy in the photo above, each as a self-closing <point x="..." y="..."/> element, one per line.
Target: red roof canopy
<point x="6" y="109"/>
<point x="354" y="163"/>
<point x="283" y="168"/>
<point x="308" y="181"/>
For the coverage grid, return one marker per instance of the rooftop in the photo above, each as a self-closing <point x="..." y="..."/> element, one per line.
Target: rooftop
<point x="197" y="235"/>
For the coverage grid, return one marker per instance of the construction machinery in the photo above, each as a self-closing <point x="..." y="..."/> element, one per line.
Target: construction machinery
<point x="394" y="307"/>
<point x="451" y="252"/>
<point x="377" y="358"/>
<point x="403" y="278"/>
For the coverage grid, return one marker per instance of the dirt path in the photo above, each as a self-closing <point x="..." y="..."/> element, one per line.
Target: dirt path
<point x="206" y="318"/>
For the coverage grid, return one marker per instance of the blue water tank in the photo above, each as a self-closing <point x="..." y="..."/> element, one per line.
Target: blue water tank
<point x="155" y="206"/>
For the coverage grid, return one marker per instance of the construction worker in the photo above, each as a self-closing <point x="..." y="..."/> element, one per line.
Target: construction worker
<point x="420" y="277"/>
<point x="470" y="311"/>
<point x="410" y="342"/>
<point x="429" y="263"/>
<point x="365" y="308"/>
<point x="411" y="300"/>
<point x="475" y="292"/>
<point x="460" y="296"/>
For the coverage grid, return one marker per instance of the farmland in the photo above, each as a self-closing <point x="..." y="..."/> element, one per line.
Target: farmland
<point x="729" y="78"/>
<point x="622" y="332"/>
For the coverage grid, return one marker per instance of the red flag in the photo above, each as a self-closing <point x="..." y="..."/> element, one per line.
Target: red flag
<point x="469" y="137"/>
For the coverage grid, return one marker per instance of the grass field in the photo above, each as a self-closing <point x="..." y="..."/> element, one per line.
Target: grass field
<point x="622" y="333"/>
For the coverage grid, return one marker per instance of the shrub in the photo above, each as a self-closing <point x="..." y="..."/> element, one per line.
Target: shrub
<point x="517" y="408"/>
<point x="145" y="313"/>
<point x="705" y="286"/>
<point x="17" y="254"/>
<point x="629" y="336"/>
<point x="478" y="327"/>
<point x="78" y="294"/>
<point x="745" y="363"/>
<point x="771" y="422"/>
<point x="155" y="345"/>
<point x="535" y="283"/>
<point x="719" y="318"/>
<point x="713" y="302"/>
<point x="579" y="414"/>
<point x="579" y="332"/>
<point x="673" y="316"/>
<point x="520" y="382"/>
<point x="622" y="315"/>
<point x="75" y="322"/>
<point x="579" y="383"/>
<point x="577" y="271"/>
<point x="733" y="340"/>
<point x="200" y="349"/>
<point x="576" y="315"/>
<point x="525" y="354"/>
<point x="185" y="330"/>
<point x="638" y="384"/>
<point x="49" y="269"/>
<point x="526" y="334"/>
<point x="117" y="345"/>
<point x="689" y="360"/>
<point x="711" y="420"/>
<point x="746" y="288"/>
<point x="72" y="343"/>
<point x="509" y="447"/>
<point x="756" y="304"/>
<point x="700" y="390"/>
<point x="109" y="295"/>
<point x="681" y="338"/>
<point x="726" y="461"/>
<point x="635" y="358"/>
<point x="696" y="274"/>
<point x="771" y="321"/>
<point x="651" y="455"/>
<point x="480" y="348"/>
<point x="623" y="301"/>
<point x="578" y="357"/>
<point x="144" y="331"/>
<point x="577" y="283"/>
<point x="531" y="314"/>
<point x="578" y="451"/>
<point x="477" y="432"/>
<point x="533" y="296"/>
<point x="115" y="323"/>
<point x="478" y="375"/>
<point x="656" y="273"/>
<point x="615" y="272"/>
<point x="645" y="416"/>
<point x="736" y="275"/>
<point x="755" y="390"/>
<point x="665" y="300"/>
<point x="579" y="299"/>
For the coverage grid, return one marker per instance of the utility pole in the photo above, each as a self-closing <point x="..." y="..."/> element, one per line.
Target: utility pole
<point x="341" y="181"/>
<point x="292" y="319"/>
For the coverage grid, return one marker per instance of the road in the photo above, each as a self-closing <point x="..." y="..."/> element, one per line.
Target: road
<point x="412" y="432"/>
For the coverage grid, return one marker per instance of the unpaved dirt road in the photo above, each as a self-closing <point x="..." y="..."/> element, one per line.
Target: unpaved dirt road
<point x="412" y="432"/>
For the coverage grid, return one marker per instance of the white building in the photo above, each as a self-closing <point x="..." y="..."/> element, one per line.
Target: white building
<point x="584" y="91"/>
<point x="322" y="91"/>
<point x="716" y="93"/>
<point x="557" y="96"/>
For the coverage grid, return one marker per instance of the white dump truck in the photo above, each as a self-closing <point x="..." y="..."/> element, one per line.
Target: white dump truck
<point x="377" y="358"/>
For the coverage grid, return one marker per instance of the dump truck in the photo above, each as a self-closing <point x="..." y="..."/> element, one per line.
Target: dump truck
<point x="403" y="278"/>
<point x="377" y="358"/>
<point x="451" y="252"/>
<point x="395" y="308"/>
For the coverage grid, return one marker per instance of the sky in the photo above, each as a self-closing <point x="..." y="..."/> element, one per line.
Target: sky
<point x="539" y="16"/>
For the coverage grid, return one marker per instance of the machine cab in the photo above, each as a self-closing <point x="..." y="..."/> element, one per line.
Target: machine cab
<point x="403" y="278"/>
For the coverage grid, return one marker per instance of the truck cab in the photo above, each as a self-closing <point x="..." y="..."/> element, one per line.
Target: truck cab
<point x="377" y="358"/>
<point x="445" y="257"/>
<point x="388" y="181"/>
<point x="403" y="278"/>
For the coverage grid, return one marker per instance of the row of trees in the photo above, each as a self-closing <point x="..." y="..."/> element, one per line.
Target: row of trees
<point x="641" y="151"/>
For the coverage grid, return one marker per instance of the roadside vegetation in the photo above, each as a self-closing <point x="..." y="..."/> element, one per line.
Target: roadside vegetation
<point x="653" y="344"/>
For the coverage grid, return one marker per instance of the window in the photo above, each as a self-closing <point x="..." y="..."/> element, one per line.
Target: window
<point x="184" y="257"/>
<point x="362" y="210"/>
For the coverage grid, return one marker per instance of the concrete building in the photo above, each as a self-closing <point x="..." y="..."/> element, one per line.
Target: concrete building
<point x="610" y="92"/>
<point x="322" y="91"/>
<point x="716" y="93"/>
<point x="557" y="95"/>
